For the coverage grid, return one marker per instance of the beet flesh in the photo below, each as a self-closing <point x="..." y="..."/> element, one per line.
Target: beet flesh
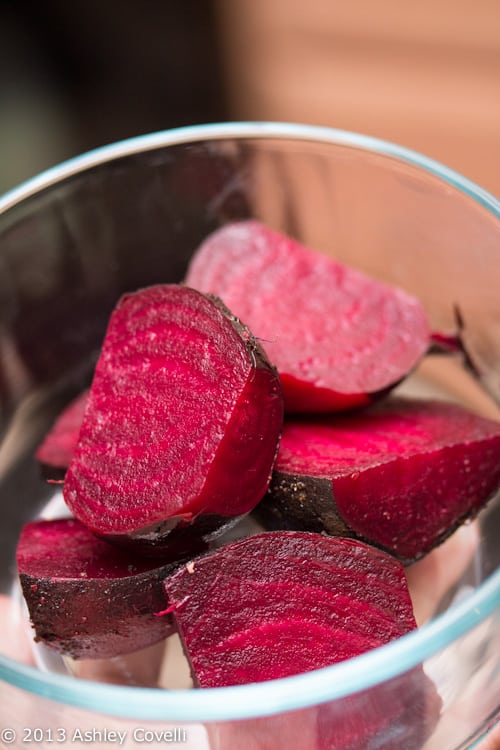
<point x="337" y="337"/>
<point x="182" y="423"/>
<point x="85" y="597"/>
<point x="398" y="714"/>
<point x="402" y="474"/>
<point x="281" y="603"/>
<point x="56" y="450"/>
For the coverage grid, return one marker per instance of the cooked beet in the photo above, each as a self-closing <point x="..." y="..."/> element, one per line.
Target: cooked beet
<point x="85" y="597"/>
<point x="398" y="714"/>
<point x="182" y="424"/>
<point x="281" y="603"/>
<point x="402" y="474"/>
<point x="337" y="337"/>
<point x="56" y="450"/>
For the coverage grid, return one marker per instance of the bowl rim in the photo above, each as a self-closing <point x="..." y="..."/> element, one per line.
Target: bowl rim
<point x="240" y="130"/>
<point x="266" y="698"/>
<point x="299" y="691"/>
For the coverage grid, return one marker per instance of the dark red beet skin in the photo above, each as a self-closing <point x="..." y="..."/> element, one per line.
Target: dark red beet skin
<point x="56" y="450"/>
<point x="337" y="337"/>
<point x="402" y="474"/>
<point x="281" y="603"/>
<point x="182" y="423"/>
<point x="85" y="597"/>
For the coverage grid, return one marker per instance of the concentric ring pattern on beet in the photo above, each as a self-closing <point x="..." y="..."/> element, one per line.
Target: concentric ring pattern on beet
<point x="182" y="421"/>
<point x="280" y="603"/>
<point x="179" y="437"/>
<point x="338" y="337"/>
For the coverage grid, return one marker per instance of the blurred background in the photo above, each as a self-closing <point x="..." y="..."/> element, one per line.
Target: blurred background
<point x="78" y="75"/>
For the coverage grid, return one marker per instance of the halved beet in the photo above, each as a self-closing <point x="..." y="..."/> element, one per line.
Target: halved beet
<point x="402" y="474"/>
<point x="56" y="450"/>
<point x="85" y="597"/>
<point x="281" y="603"/>
<point x="337" y="337"/>
<point x="182" y="424"/>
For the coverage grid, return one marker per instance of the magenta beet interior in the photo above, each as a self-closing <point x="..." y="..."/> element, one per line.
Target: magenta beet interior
<point x="59" y="444"/>
<point x="66" y="549"/>
<point x="334" y="334"/>
<point x="172" y="375"/>
<point x="280" y="603"/>
<point x="403" y="472"/>
<point x="85" y="598"/>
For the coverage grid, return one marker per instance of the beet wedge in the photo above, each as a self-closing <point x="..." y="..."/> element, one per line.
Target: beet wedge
<point x="402" y="474"/>
<point x="85" y="597"/>
<point x="337" y="337"/>
<point x="56" y="450"/>
<point x="182" y="424"/>
<point x="281" y="603"/>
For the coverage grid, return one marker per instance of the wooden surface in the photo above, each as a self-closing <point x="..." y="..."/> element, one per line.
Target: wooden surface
<point x="423" y="74"/>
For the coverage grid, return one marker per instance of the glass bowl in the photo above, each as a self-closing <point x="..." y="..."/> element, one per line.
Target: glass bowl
<point x="131" y="214"/>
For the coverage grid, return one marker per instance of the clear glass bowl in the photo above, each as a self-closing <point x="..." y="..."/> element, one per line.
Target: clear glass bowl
<point x="131" y="214"/>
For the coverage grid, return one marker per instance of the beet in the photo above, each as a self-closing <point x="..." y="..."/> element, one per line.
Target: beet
<point x="281" y="603"/>
<point x="182" y="423"/>
<point x="56" y="450"/>
<point x="399" y="714"/>
<point x="85" y="597"/>
<point x="337" y="337"/>
<point x="402" y="474"/>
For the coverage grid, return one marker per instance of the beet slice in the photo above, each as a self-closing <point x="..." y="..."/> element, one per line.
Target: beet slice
<point x="85" y="597"/>
<point x="398" y="714"/>
<point x="402" y="474"/>
<point x="281" y="603"/>
<point x="182" y="424"/>
<point x="56" y="450"/>
<point x="337" y="337"/>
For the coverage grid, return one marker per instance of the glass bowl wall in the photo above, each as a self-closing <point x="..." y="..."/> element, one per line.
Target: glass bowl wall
<point x="75" y="238"/>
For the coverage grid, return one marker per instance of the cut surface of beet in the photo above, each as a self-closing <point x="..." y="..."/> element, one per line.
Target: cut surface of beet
<point x="56" y="450"/>
<point x="85" y="597"/>
<point x="281" y="603"/>
<point x="402" y="474"/>
<point x="337" y="337"/>
<point x="183" y="418"/>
